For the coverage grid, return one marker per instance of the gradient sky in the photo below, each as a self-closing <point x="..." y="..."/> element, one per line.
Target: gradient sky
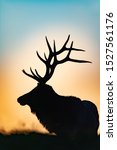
<point x="23" y="27"/>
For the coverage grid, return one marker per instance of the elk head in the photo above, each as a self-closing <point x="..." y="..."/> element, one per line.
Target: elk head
<point x="44" y="91"/>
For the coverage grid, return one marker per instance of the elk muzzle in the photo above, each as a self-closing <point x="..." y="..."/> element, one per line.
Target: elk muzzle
<point x="22" y="101"/>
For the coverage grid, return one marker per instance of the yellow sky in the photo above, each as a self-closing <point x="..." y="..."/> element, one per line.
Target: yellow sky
<point x="80" y="80"/>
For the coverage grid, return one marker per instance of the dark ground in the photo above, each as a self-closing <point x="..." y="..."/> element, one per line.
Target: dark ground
<point x="36" y="141"/>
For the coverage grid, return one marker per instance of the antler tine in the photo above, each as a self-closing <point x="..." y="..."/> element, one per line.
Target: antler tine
<point x="69" y="52"/>
<point x="78" y="61"/>
<point x="49" y="47"/>
<point x="67" y="58"/>
<point x="64" y="48"/>
<point x="75" y="49"/>
<point x="75" y="60"/>
<point x="38" y="74"/>
<point x="45" y="57"/>
<point x="41" y="57"/>
<point x="55" y="56"/>
<point x="32" y="72"/>
<point x="54" y="46"/>
<point x="32" y="76"/>
<point x="50" y="52"/>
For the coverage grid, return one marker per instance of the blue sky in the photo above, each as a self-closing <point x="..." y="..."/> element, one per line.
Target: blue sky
<point x="19" y="18"/>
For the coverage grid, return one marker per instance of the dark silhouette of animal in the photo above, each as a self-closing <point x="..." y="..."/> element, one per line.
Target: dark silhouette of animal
<point x="66" y="116"/>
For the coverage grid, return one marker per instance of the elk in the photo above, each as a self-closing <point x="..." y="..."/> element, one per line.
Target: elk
<point x="62" y="115"/>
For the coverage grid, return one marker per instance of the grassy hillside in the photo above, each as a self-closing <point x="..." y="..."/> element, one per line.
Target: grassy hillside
<point x="36" y="141"/>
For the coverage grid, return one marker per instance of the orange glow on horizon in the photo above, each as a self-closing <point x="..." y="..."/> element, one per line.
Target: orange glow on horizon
<point x="80" y="80"/>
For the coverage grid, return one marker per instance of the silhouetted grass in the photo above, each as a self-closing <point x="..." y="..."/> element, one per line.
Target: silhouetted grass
<point x="37" y="141"/>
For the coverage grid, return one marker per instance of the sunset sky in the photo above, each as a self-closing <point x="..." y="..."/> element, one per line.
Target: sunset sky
<point x="23" y="27"/>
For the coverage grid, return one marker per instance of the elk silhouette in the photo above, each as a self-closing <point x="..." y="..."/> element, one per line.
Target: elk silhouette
<point x="62" y="115"/>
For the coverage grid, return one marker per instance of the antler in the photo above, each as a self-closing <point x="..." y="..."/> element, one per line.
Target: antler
<point x="51" y="62"/>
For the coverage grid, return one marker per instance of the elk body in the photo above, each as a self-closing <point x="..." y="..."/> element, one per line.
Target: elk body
<point x="67" y="116"/>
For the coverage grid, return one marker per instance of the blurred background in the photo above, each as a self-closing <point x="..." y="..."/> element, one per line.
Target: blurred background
<point x="23" y="27"/>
